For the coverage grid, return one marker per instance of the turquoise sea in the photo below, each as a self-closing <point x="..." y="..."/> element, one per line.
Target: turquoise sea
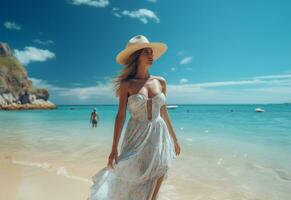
<point x="227" y="151"/>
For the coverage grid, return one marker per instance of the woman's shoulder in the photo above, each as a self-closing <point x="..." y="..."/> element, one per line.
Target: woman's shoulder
<point x="160" y="78"/>
<point x="124" y="84"/>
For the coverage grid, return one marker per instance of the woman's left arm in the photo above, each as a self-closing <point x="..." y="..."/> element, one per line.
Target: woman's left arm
<point x="166" y="117"/>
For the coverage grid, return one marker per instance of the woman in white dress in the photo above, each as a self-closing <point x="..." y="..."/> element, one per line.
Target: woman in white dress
<point x="150" y="143"/>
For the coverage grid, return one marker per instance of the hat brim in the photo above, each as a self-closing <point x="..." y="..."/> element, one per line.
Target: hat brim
<point x="157" y="47"/>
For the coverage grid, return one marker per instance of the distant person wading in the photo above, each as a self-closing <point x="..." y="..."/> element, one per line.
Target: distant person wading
<point x="94" y="118"/>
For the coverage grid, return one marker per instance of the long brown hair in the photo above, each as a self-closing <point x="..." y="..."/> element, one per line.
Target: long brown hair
<point x="128" y="71"/>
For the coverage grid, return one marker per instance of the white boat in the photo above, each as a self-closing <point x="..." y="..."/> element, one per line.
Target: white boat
<point x="172" y="106"/>
<point x="259" y="110"/>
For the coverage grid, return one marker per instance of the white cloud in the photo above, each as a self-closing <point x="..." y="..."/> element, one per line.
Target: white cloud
<point x="12" y="26"/>
<point x="254" y="91"/>
<point x="262" y="89"/>
<point x="242" y="82"/>
<point x="152" y="1"/>
<point x="77" y="84"/>
<point x="186" y="60"/>
<point x="143" y="15"/>
<point x="280" y="76"/>
<point x="117" y="15"/>
<point x="173" y="68"/>
<point x="115" y="12"/>
<point x="33" y="54"/>
<point x="102" y="92"/>
<point x="183" y="80"/>
<point x="226" y="83"/>
<point x="87" y="93"/>
<point x="39" y="83"/>
<point x="187" y="94"/>
<point x="46" y="42"/>
<point x="94" y="3"/>
<point x="180" y="53"/>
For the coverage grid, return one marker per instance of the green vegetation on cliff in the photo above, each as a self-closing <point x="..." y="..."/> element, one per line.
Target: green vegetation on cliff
<point x="13" y="76"/>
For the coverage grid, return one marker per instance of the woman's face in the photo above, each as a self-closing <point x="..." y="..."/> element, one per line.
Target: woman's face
<point x="146" y="57"/>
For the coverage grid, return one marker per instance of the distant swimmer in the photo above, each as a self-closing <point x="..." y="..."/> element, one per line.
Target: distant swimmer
<point x="94" y="118"/>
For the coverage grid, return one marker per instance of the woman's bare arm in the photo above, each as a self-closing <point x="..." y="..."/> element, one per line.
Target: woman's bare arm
<point x="119" y="122"/>
<point x="121" y="114"/>
<point x="164" y="112"/>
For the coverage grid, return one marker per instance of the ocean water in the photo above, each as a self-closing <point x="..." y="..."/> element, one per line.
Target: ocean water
<point x="227" y="151"/>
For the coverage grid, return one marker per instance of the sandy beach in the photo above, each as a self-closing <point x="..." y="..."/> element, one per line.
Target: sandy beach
<point x="23" y="181"/>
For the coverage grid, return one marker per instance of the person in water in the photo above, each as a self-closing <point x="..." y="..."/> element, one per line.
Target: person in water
<point x="94" y="118"/>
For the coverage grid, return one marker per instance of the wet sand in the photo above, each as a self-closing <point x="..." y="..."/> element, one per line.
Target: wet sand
<point x="20" y="182"/>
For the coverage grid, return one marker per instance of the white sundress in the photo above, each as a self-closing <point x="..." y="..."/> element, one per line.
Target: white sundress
<point x="146" y="154"/>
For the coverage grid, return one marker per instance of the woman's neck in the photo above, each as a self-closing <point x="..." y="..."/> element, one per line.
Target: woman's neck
<point x="143" y="77"/>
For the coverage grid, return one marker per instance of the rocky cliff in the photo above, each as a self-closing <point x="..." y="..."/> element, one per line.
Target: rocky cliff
<point x="16" y="90"/>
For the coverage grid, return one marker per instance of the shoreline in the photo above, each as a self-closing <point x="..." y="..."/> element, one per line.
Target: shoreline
<point x="43" y="106"/>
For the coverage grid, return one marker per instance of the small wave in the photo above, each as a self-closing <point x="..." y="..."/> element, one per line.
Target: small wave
<point x="219" y="161"/>
<point x="283" y="174"/>
<point x="62" y="171"/>
<point x="278" y="173"/>
<point x="32" y="164"/>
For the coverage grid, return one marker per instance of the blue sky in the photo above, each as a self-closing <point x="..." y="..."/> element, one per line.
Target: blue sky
<point x="219" y="51"/>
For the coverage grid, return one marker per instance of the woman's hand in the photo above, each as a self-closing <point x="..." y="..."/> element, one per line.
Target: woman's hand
<point x="177" y="148"/>
<point x="113" y="156"/>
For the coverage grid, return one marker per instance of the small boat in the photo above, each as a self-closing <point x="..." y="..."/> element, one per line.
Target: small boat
<point x="259" y="110"/>
<point x="172" y="106"/>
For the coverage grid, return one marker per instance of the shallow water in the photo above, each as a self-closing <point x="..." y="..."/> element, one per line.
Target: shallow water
<point x="227" y="151"/>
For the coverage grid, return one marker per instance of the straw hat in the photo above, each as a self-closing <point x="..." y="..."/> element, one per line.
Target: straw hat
<point x="139" y="42"/>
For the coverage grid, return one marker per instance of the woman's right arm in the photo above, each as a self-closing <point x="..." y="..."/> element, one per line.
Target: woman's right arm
<point x="119" y="121"/>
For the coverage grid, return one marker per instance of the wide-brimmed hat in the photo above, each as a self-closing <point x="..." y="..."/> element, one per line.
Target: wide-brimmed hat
<point x="139" y="42"/>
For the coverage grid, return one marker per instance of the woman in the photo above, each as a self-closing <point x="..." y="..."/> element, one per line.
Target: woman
<point x="147" y="148"/>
